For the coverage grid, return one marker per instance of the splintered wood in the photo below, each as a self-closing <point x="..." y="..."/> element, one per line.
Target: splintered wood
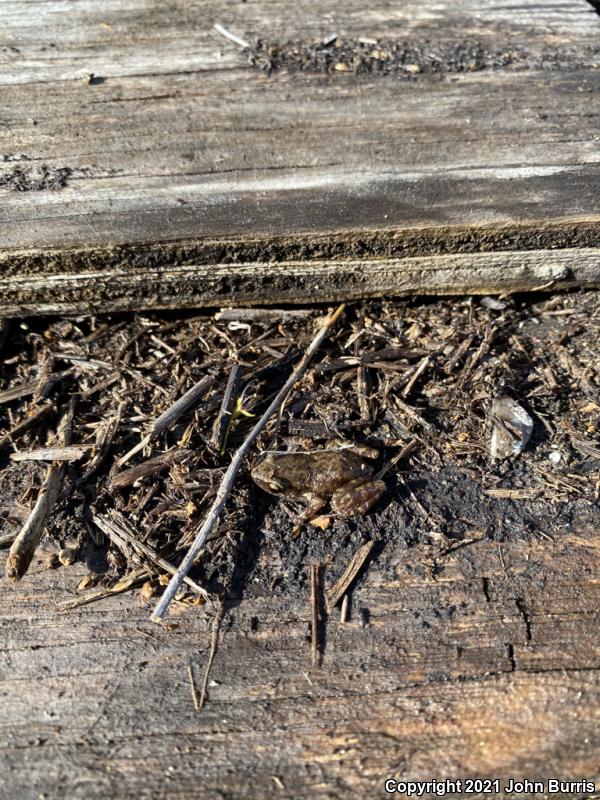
<point x="26" y="542"/>
<point x="335" y="594"/>
<point x="24" y="546"/>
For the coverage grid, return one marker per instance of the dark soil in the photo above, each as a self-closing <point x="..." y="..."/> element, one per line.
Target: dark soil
<point x="33" y="177"/>
<point x="407" y="60"/>
<point x="392" y="375"/>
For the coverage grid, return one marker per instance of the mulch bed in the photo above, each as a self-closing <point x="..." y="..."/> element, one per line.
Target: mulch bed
<point x="414" y="379"/>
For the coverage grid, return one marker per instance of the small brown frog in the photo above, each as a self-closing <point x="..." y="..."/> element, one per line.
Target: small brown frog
<point x="338" y="475"/>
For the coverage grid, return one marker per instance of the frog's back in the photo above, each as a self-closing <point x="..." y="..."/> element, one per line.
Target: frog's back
<point x="330" y="469"/>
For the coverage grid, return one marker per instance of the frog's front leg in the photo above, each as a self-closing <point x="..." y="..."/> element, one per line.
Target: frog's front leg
<point x="356" y="497"/>
<point x="313" y="506"/>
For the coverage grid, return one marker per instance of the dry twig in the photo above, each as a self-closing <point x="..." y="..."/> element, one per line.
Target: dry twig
<point x="415" y="376"/>
<point x="335" y="594"/>
<point x="72" y="452"/>
<point x="224" y="417"/>
<point x="127" y="582"/>
<point x="31" y="387"/>
<point x="29" y="422"/>
<point x="28" y="538"/>
<point x="149" y="467"/>
<point x="344" y="609"/>
<point x="214" y="643"/>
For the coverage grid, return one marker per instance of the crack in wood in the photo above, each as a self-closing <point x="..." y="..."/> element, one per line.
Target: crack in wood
<point x="522" y="609"/>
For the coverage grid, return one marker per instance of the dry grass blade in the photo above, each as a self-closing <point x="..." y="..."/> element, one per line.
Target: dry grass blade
<point x="117" y="532"/>
<point x="214" y="644"/>
<point x="514" y="494"/>
<point x="231" y="36"/>
<point x="193" y="688"/>
<point x="223" y="420"/>
<point x="126" y="583"/>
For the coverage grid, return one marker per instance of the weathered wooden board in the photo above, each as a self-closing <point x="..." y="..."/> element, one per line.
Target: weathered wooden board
<point x="426" y="129"/>
<point x="487" y="668"/>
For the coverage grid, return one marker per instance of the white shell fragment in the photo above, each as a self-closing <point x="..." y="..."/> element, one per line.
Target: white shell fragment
<point x="511" y="428"/>
<point x="493" y="303"/>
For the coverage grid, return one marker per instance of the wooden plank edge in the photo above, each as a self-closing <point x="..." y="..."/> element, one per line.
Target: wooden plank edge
<point x="296" y="282"/>
<point x="310" y="244"/>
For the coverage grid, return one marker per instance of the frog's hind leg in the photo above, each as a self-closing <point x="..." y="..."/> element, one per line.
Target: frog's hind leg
<point x="314" y="505"/>
<point x="356" y="497"/>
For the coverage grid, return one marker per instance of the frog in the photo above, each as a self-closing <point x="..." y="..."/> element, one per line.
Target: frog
<point x="339" y="475"/>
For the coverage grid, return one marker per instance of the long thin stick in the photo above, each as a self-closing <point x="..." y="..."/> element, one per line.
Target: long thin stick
<point x="234" y="467"/>
<point x="193" y="687"/>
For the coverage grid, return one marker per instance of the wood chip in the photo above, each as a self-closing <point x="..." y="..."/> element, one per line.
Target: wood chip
<point x="73" y="452"/>
<point x="335" y="594"/>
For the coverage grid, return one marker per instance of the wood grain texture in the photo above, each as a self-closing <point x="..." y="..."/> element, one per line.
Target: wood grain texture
<point x="489" y="667"/>
<point x="179" y="147"/>
<point x="290" y="282"/>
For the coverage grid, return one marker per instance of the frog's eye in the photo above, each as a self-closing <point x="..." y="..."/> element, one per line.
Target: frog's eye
<point x="275" y="486"/>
